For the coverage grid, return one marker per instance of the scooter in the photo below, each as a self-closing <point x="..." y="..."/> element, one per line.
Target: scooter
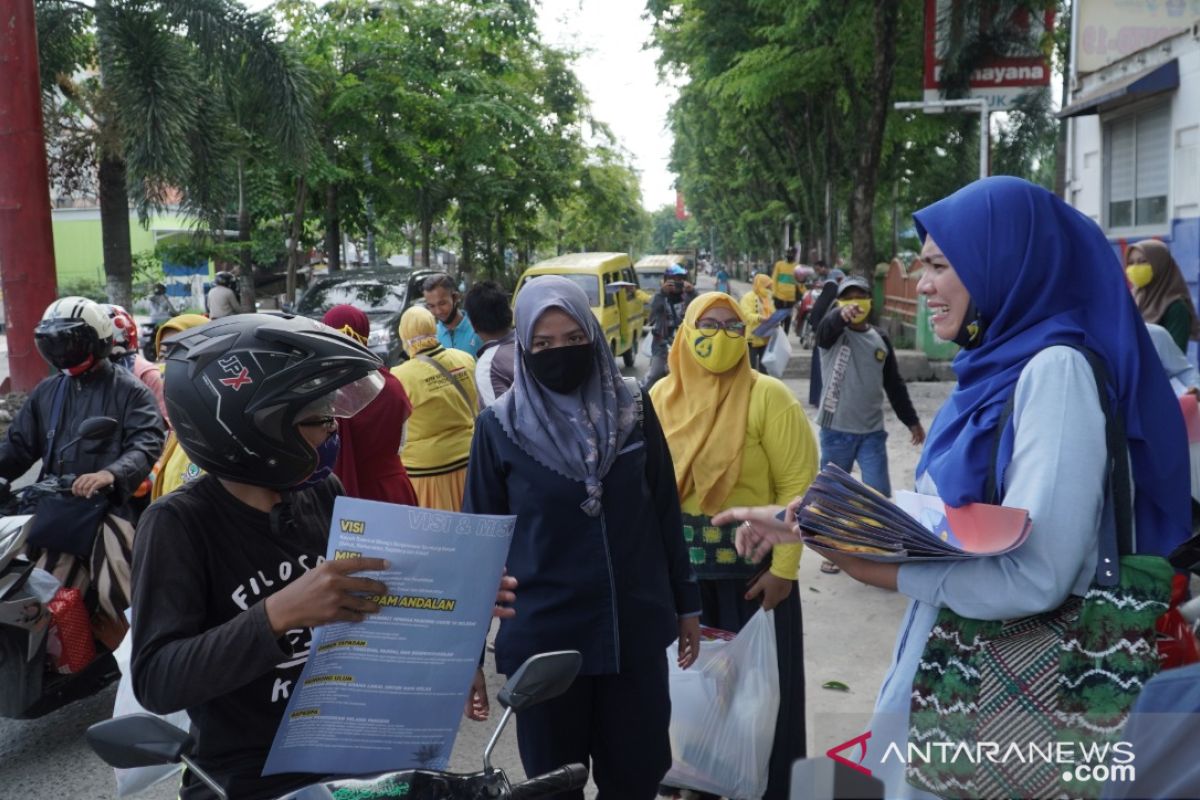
<point x="143" y="740"/>
<point x="28" y="687"/>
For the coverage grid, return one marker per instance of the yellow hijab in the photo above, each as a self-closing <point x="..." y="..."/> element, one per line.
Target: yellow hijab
<point x="703" y="414"/>
<point x="418" y="330"/>
<point x="763" y="285"/>
<point x="182" y="322"/>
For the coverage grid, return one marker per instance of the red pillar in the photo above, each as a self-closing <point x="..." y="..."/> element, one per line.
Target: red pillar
<point x="26" y="240"/>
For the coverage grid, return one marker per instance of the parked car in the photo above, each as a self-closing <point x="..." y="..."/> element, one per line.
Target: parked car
<point x="384" y="294"/>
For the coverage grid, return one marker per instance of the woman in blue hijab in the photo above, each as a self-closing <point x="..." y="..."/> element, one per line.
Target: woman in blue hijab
<point x="1020" y="280"/>
<point x="598" y="551"/>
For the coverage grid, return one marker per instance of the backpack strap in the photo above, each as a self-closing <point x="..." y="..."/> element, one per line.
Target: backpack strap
<point x="446" y="374"/>
<point x="635" y="389"/>
<point x="1116" y="526"/>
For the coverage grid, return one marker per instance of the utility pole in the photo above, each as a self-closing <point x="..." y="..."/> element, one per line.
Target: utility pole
<point x="27" y="270"/>
<point x="978" y="104"/>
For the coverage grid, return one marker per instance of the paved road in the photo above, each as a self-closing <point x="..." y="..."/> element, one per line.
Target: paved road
<point x="848" y="636"/>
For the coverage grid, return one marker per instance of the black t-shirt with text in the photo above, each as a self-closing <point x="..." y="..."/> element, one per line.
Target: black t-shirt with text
<point x="203" y="563"/>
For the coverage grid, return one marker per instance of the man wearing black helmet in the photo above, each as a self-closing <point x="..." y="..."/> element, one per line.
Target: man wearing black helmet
<point x="229" y="570"/>
<point x="223" y="300"/>
<point x="75" y="337"/>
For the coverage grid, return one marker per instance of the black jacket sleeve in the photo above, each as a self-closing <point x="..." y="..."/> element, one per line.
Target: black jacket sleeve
<point x="141" y="441"/>
<point x="830" y="328"/>
<point x="660" y="476"/>
<point x="896" y="388"/>
<point x="176" y="663"/>
<point x="486" y="490"/>
<point x="25" y="440"/>
<point x="823" y="302"/>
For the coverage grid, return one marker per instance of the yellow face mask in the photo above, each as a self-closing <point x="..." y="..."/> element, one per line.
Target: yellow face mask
<point x="864" y="309"/>
<point x="1139" y="275"/>
<point x="717" y="354"/>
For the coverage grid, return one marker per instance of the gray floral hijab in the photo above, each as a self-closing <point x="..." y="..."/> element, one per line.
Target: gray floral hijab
<point x="576" y="435"/>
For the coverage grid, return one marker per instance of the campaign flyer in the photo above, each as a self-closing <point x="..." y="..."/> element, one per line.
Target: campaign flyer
<point x="388" y="693"/>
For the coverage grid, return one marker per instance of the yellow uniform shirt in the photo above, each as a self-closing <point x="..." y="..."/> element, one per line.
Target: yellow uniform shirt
<point x="755" y="311"/>
<point x="783" y="277"/>
<point x="442" y="423"/>
<point x="779" y="461"/>
<point x="173" y="469"/>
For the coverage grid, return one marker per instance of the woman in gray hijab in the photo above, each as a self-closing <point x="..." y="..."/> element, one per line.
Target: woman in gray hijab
<point x="580" y="458"/>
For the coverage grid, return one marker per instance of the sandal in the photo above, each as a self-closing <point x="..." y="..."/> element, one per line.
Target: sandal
<point x="830" y="568"/>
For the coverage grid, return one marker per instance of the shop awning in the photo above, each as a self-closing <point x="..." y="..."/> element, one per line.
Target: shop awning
<point x="1155" y="80"/>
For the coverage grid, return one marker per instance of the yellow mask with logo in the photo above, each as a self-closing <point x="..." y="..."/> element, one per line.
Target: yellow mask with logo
<point x="717" y="354"/>
<point x="1139" y="275"/>
<point x="864" y="309"/>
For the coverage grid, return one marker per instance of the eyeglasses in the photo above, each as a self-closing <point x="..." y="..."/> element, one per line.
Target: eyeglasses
<point x="734" y="328"/>
<point x="328" y="423"/>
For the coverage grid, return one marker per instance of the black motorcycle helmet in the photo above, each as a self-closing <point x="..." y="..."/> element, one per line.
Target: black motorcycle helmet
<point x="74" y="334"/>
<point x="235" y="389"/>
<point x="224" y="278"/>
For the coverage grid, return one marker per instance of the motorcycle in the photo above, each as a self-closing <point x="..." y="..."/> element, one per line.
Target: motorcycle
<point x="144" y="740"/>
<point x="29" y="685"/>
<point x="806" y="332"/>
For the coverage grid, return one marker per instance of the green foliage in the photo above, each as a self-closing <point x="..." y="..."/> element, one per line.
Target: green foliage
<point x="91" y="288"/>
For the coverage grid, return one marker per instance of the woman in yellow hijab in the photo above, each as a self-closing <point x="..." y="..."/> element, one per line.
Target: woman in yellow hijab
<point x="738" y="438"/>
<point x="757" y="306"/>
<point x="174" y="468"/>
<point x="441" y="385"/>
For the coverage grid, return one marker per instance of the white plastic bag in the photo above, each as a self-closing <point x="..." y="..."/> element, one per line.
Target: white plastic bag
<point x="723" y="713"/>
<point x="132" y="781"/>
<point x="779" y="350"/>
<point x="646" y="349"/>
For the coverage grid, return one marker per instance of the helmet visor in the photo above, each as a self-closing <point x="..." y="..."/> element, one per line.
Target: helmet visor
<point x="65" y="343"/>
<point x="346" y="401"/>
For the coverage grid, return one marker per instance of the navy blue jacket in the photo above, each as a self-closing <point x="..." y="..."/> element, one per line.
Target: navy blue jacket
<point x="611" y="587"/>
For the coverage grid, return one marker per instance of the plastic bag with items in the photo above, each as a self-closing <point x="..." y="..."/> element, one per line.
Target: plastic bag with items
<point x="723" y="713"/>
<point x="777" y="354"/>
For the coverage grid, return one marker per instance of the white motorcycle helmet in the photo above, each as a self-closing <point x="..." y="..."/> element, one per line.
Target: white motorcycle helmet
<point x="74" y="334"/>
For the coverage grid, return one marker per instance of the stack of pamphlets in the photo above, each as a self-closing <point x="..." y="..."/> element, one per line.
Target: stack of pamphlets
<point x="841" y="514"/>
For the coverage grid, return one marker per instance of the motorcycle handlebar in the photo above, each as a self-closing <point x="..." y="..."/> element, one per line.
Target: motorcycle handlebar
<point x="563" y="779"/>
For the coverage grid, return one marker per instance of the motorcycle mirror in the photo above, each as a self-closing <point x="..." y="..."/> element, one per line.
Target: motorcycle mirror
<point x="138" y="740"/>
<point x="541" y="678"/>
<point x="95" y="428"/>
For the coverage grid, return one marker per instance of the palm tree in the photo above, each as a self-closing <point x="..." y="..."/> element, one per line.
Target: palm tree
<point x="168" y="93"/>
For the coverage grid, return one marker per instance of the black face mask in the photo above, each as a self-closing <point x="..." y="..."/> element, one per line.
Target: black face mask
<point x="970" y="335"/>
<point x="561" y="369"/>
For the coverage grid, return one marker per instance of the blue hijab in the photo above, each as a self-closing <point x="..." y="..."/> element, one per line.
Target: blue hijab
<point x="1040" y="274"/>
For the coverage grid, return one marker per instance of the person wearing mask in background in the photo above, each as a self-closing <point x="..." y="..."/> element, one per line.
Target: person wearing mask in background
<point x="1161" y="293"/>
<point x="666" y="313"/>
<point x="454" y="328"/>
<point x="173" y="468"/>
<point x="859" y="366"/>
<point x="828" y="280"/>
<point x="723" y="280"/>
<point x="223" y="300"/>
<point x="368" y="461"/>
<point x="161" y="308"/>
<point x="757" y="306"/>
<point x="783" y="285"/>
<point x="487" y="305"/>
<point x="739" y="438"/>
<point x="209" y="634"/>
<point x="598" y="549"/>
<point x="126" y="354"/>
<point x="440" y="383"/>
